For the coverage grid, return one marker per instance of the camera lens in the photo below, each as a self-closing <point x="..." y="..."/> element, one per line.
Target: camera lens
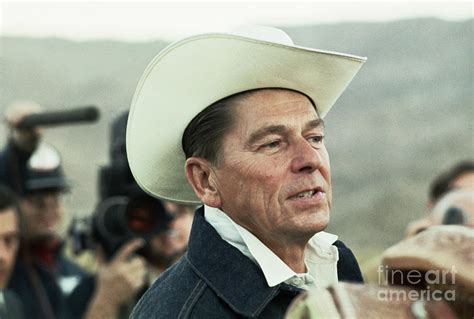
<point x="141" y="220"/>
<point x="146" y="215"/>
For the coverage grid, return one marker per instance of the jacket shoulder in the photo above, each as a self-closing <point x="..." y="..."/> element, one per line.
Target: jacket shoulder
<point x="171" y="293"/>
<point x="347" y="266"/>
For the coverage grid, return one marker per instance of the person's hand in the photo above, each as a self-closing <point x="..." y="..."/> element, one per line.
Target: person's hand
<point x="26" y="139"/>
<point x="117" y="281"/>
<point x="124" y="274"/>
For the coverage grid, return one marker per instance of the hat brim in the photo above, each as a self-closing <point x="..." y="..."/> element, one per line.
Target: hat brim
<point x="191" y="74"/>
<point x="57" y="183"/>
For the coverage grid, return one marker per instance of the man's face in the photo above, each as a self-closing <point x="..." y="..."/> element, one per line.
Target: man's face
<point x="274" y="177"/>
<point x="9" y="240"/>
<point x="170" y="245"/>
<point x="42" y="211"/>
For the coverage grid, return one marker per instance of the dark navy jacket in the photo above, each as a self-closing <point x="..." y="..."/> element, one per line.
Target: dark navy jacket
<point x="215" y="280"/>
<point x="41" y="288"/>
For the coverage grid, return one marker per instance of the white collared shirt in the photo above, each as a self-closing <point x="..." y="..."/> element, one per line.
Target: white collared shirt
<point x="320" y="255"/>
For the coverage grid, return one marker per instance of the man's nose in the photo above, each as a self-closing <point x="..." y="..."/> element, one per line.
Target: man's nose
<point x="306" y="158"/>
<point x="48" y="203"/>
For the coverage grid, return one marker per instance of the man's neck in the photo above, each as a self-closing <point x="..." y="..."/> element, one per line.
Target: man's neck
<point x="44" y="250"/>
<point x="291" y="254"/>
<point x="289" y="249"/>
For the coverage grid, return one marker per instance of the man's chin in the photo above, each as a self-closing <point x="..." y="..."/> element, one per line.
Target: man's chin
<point x="316" y="224"/>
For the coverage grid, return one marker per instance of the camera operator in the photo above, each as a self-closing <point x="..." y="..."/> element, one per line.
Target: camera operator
<point x="137" y="237"/>
<point x="43" y="276"/>
<point x="123" y="277"/>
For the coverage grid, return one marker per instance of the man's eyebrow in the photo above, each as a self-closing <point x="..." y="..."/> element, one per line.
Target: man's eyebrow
<point x="259" y="134"/>
<point x="314" y="124"/>
<point x="279" y="129"/>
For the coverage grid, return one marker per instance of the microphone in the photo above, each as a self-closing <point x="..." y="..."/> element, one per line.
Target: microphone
<point x="52" y="118"/>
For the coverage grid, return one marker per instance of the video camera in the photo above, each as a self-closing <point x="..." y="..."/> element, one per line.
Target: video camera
<point x="124" y="211"/>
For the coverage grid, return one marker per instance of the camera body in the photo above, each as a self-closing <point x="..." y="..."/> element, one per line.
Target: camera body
<point x="119" y="219"/>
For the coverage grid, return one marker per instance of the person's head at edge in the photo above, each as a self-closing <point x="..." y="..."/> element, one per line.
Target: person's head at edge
<point x="458" y="177"/>
<point x="9" y="233"/>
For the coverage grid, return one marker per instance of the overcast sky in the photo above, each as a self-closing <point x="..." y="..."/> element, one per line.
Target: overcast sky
<point x="168" y="21"/>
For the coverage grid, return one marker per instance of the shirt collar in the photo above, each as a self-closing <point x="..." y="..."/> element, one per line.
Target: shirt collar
<point x="320" y="255"/>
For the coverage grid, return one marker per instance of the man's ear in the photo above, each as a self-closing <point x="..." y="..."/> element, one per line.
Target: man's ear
<point x="200" y="176"/>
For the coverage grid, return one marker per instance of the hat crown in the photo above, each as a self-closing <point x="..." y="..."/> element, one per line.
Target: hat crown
<point x="264" y="33"/>
<point x="44" y="170"/>
<point x="44" y="158"/>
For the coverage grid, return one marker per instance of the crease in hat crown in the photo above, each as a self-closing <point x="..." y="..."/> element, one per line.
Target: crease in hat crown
<point x="190" y="74"/>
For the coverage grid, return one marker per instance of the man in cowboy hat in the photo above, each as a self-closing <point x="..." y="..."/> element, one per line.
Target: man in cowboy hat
<point x="234" y="121"/>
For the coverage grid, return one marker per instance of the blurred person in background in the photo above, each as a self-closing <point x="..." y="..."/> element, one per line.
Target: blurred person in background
<point x="451" y="202"/>
<point x="43" y="277"/>
<point x="129" y="274"/>
<point x="459" y="176"/>
<point x="130" y="267"/>
<point x="169" y="246"/>
<point x="10" y="304"/>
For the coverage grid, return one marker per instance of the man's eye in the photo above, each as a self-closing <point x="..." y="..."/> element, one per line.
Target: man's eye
<point x="316" y="139"/>
<point x="272" y="145"/>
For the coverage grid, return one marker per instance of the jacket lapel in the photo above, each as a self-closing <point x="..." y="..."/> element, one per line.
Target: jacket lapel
<point x="233" y="277"/>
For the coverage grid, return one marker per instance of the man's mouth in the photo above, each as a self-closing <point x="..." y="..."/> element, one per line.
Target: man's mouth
<point x="306" y="194"/>
<point x="309" y="193"/>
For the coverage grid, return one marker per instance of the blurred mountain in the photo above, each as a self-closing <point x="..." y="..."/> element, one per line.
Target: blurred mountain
<point x="406" y="116"/>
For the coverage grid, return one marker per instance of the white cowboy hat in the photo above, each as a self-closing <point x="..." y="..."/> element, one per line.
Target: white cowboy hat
<point x="191" y="74"/>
